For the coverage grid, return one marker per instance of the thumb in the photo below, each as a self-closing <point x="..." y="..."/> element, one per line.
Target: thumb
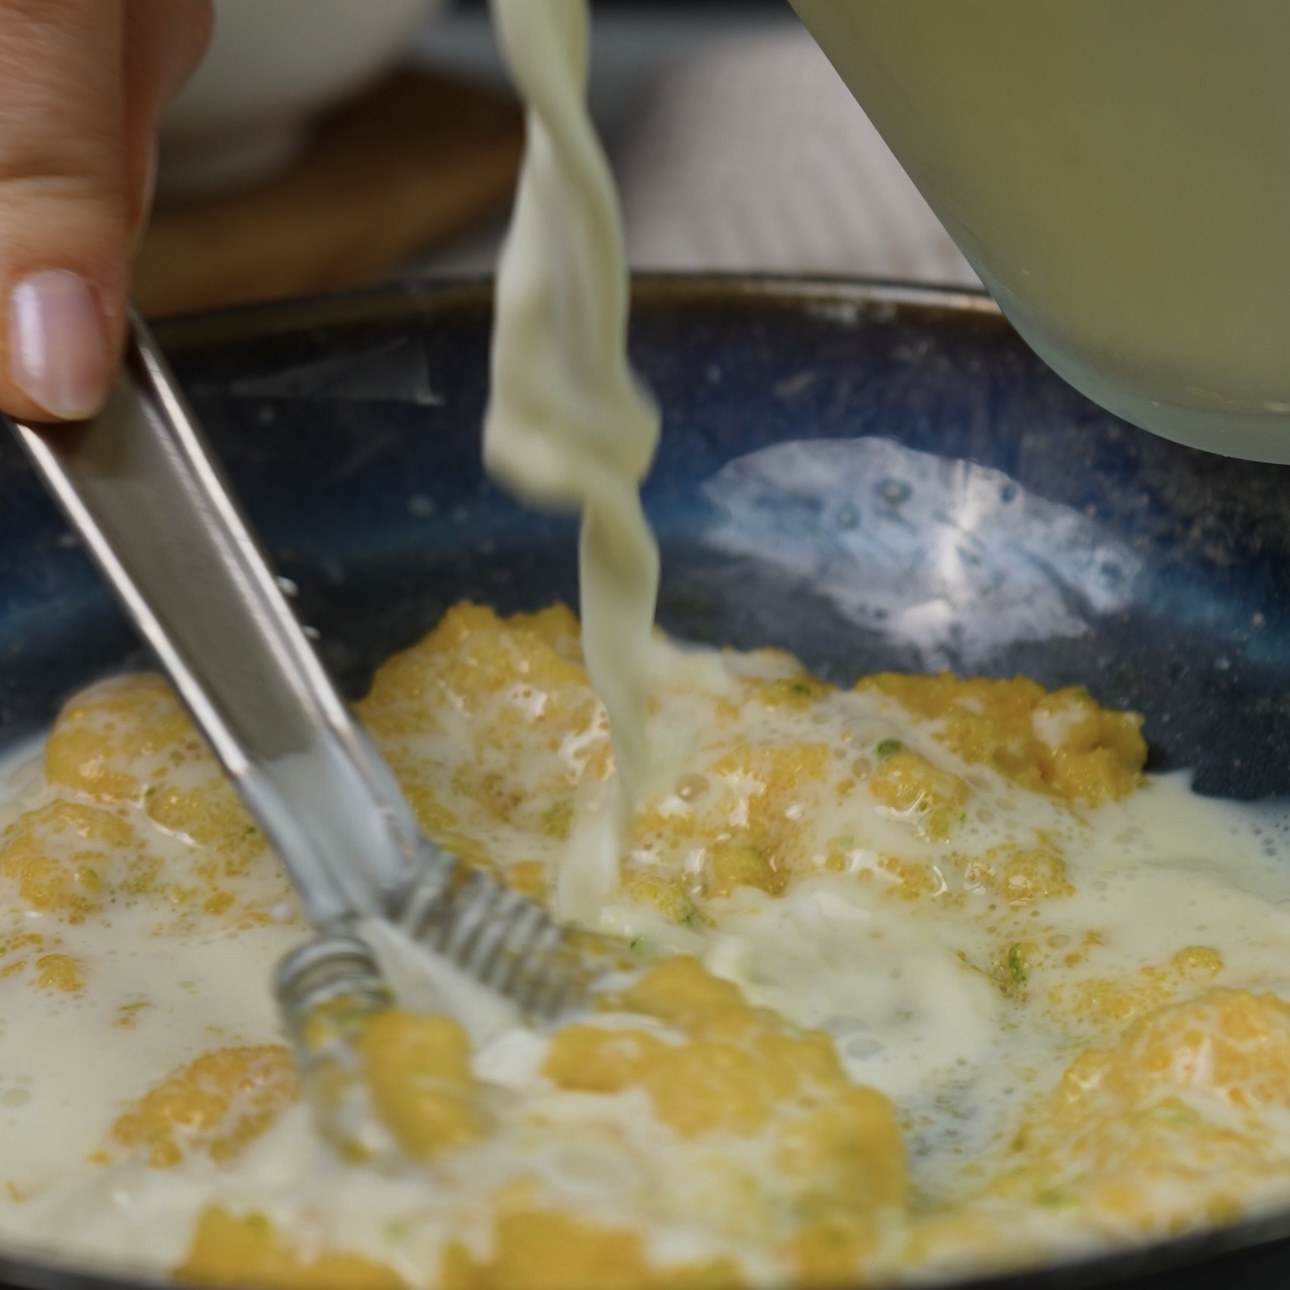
<point x="65" y="214"/>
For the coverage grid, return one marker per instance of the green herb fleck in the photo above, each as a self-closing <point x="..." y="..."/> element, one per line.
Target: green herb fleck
<point x="888" y="748"/>
<point x="557" y="820"/>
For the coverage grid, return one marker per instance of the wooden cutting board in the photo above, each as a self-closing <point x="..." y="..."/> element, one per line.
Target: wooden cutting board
<point x="418" y="161"/>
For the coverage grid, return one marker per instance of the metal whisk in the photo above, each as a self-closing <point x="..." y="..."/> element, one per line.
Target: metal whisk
<point x="139" y="486"/>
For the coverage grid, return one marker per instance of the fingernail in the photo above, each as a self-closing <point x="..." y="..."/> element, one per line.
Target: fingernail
<point x="57" y="354"/>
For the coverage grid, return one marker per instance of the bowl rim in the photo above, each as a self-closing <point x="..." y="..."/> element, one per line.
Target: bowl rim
<point x="414" y="296"/>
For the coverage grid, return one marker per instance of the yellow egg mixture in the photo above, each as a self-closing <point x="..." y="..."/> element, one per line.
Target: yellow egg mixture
<point x="927" y="976"/>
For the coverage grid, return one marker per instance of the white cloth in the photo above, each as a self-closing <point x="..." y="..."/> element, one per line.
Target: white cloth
<point x="743" y="153"/>
<point x="753" y="155"/>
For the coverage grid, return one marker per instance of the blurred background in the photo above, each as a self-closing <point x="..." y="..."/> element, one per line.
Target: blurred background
<point x="735" y="146"/>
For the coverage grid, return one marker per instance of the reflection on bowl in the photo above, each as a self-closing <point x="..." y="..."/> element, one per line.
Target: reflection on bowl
<point x="271" y="67"/>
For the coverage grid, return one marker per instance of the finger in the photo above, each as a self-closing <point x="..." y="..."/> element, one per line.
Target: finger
<point x="164" y="42"/>
<point x="64" y="235"/>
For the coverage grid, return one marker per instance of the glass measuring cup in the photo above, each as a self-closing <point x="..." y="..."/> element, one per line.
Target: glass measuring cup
<point x="1118" y="173"/>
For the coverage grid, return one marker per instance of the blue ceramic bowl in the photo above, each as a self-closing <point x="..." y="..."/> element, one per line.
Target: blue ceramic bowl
<point x="872" y="477"/>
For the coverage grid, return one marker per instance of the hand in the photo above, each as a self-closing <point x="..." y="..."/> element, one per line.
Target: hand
<point x="82" y="83"/>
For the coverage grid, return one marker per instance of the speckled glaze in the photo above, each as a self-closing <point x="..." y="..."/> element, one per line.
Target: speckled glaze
<point x="870" y="476"/>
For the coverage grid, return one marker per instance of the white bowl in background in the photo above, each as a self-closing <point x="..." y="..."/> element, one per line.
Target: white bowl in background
<point x="272" y="66"/>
